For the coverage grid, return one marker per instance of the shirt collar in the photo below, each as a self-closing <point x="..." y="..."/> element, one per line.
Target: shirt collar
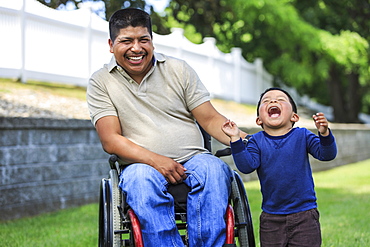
<point x="159" y="57"/>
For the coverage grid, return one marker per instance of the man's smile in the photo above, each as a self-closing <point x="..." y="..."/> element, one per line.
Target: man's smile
<point x="135" y="58"/>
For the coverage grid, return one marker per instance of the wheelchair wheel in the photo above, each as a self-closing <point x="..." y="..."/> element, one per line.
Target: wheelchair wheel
<point x="109" y="218"/>
<point x="230" y="225"/>
<point x="243" y="220"/>
<point x="136" y="239"/>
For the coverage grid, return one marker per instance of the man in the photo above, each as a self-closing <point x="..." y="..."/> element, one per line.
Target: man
<point x="144" y="106"/>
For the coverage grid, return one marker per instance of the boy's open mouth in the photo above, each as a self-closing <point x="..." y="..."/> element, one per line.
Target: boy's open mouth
<point x="274" y="112"/>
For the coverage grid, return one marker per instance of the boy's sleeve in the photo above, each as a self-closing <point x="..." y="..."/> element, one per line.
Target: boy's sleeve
<point x="328" y="147"/>
<point x="323" y="148"/>
<point x="237" y="146"/>
<point x="327" y="140"/>
<point x="243" y="158"/>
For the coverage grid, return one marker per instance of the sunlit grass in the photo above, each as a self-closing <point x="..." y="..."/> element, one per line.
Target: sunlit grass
<point x="242" y="108"/>
<point x="9" y="85"/>
<point x="70" y="227"/>
<point x="344" y="203"/>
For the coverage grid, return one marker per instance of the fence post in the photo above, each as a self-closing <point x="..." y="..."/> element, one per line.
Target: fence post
<point x="179" y="33"/>
<point x="23" y="77"/>
<point x="236" y="53"/>
<point x="211" y="42"/>
<point x="258" y="63"/>
<point x="89" y="41"/>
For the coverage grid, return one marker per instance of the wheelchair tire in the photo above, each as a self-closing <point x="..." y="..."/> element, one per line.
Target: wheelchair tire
<point x="116" y="200"/>
<point x="109" y="218"/>
<point x="243" y="218"/>
<point x="104" y="214"/>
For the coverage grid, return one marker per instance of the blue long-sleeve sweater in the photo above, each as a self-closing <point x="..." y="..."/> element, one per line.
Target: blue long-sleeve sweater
<point x="283" y="167"/>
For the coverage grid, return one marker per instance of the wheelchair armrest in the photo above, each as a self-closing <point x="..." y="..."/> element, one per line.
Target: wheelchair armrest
<point x="112" y="161"/>
<point x="223" y="152"/>
<point x="116" y="163"/>
<point x="227" y="151"/>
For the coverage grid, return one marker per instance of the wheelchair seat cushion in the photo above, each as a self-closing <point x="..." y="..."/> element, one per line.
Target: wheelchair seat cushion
<point x="179" y="192"/>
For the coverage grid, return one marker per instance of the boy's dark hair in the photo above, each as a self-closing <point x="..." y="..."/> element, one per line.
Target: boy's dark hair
<point x="128" y="17"/>
<point x="294" y="106"/>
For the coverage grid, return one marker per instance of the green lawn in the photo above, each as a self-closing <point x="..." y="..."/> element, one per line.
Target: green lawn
<point x="343" y="198"/>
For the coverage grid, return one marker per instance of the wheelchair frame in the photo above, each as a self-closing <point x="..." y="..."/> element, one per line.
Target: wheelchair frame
<point x="119" y="226"/>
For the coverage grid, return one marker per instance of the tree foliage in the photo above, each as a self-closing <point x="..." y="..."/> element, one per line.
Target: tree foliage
<point x="54" y="4"/>
<point x="110" y="5"/>
<point x="349" y="22"/>
<point x="328" y="62"/>
<point x="320" y="47"/>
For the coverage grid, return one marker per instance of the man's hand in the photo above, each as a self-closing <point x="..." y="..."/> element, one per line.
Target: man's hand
<point x="173" y="171"/>
<point x="109" y="131"/>
<point x="321" y="123"/>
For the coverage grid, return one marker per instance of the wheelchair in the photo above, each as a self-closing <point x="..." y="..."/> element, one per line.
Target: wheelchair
<point x="119" y="226"/>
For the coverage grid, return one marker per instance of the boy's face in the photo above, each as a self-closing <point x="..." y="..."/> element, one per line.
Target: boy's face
<point x="133" y="49"/>
<point x="275" y="111"/>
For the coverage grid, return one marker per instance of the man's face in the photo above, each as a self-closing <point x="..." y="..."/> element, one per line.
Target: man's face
<point x="133" y="50"/>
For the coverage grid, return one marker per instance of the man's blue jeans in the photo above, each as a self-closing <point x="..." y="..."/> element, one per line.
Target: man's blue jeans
<point x="209" y="179"/>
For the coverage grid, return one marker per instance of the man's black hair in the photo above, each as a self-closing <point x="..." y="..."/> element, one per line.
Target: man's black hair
<point x="294" y="106"/>
<point x="128" y="17"/>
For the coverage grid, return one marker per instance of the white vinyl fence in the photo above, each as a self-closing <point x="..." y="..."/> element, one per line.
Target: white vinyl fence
<point x="44" y="44"/>
<point x="41" y="43"/>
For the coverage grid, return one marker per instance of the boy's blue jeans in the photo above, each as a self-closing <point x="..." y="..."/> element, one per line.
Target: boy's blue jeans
<point x="209" y="179"/>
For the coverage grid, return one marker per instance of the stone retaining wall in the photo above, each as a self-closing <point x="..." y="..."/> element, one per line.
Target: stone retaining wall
<point x="47" y="164"/>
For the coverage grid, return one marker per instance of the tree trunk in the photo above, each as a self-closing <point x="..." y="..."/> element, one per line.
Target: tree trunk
<point x="336" y="99"/>
<point x="354" y="98"/>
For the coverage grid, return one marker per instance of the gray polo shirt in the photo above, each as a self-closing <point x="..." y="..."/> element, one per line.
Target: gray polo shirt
<point x="155" y="114"/>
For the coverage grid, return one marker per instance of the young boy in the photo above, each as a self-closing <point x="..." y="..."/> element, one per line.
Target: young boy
<point x="279" y="153"/>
